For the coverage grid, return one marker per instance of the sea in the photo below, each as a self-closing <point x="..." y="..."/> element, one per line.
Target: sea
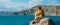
<point x="24" y="19"/>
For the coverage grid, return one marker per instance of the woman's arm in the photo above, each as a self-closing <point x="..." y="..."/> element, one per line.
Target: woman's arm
<point x="35" y="15"/>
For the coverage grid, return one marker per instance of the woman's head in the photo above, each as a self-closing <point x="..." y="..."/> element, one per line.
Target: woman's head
<point x="39" y="8"/>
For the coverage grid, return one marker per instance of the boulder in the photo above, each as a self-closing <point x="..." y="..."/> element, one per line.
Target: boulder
<point x="44" y="21"/>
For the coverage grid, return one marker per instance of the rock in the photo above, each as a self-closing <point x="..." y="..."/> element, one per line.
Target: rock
<point x="44" y="21"/>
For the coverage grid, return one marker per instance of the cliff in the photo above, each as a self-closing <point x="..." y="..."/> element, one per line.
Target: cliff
<point x="48" y="10"/>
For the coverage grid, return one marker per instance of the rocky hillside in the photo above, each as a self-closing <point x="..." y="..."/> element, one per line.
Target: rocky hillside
<point x="48" y="10"/>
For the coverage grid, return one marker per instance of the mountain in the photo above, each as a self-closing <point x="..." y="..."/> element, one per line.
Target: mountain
<point x="48" y="10"/>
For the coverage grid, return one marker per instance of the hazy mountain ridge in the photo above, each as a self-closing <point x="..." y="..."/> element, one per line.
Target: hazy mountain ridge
<point x="48" y="10"/>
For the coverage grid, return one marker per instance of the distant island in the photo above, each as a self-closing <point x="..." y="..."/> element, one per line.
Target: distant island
<point x="48" y="10"/>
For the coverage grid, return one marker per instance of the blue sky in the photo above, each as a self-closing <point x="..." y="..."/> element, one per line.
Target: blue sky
<point x="18" y="5"/>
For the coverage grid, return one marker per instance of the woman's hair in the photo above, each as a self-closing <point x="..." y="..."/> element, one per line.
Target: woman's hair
<point x="39" y="8"/>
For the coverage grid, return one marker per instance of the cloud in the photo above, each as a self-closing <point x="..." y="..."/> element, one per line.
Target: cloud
<point x="8" y="4"/>
<point x="17" y="6"/>
<point x="34" y="3"/>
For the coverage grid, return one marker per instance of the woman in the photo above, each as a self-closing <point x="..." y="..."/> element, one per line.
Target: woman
<point x="39" y="13"/>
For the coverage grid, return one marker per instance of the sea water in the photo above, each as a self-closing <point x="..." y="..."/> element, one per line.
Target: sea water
<point x="24" y="19"/>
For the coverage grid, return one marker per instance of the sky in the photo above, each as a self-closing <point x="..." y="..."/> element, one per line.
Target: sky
<point x="18" y="5"/>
